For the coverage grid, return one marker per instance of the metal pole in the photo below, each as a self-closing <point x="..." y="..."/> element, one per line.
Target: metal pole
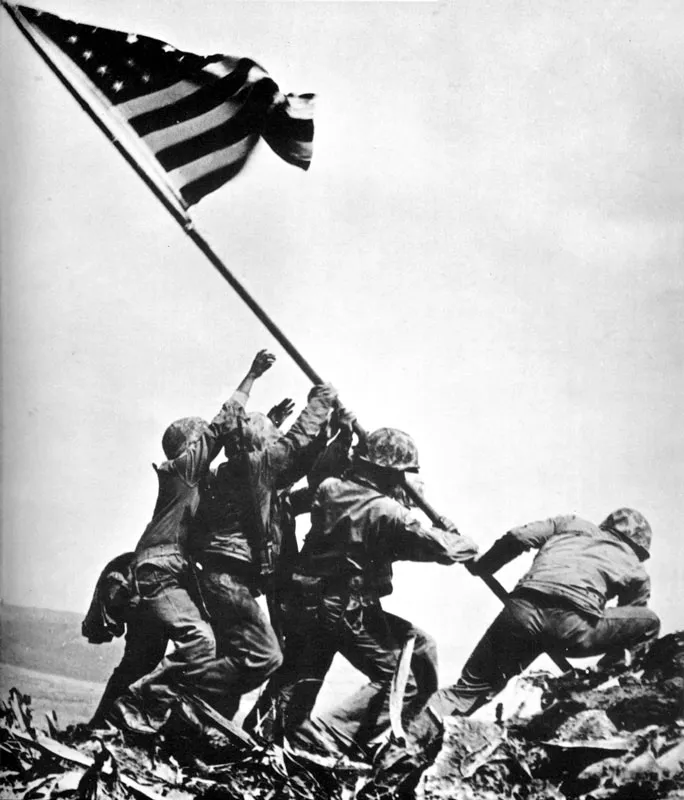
<point x="560" y="661"/>
<point x="179" y="214"/>
<point x="185" y="221"/>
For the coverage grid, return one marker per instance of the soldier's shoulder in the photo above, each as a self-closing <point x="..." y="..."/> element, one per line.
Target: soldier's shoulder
<point x="571" y="522"/>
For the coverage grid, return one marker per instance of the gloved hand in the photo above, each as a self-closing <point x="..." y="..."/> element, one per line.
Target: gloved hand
<point x="281" y="411"/>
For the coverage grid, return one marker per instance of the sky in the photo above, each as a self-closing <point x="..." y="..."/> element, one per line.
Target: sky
<point x="486" y="252"/>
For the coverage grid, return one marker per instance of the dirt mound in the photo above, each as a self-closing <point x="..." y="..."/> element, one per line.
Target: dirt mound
<point x="616" y="734"/>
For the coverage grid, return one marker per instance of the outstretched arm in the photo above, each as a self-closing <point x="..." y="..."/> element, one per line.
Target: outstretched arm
<point x="403" y="538"/>
<point x="263" y="361"/>
<point x="516" y="541"/>
<point x="194" y="462"/>
<point x="291" y="456"/>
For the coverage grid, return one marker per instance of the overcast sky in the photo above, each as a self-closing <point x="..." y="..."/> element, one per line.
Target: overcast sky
<point x="486" y="252"/>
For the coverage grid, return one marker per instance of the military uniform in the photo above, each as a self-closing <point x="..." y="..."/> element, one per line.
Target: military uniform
<point x="559" y="605"/>
<point x="110" y="615"/>
<point x="163" y="579"/>
<point x="239" y="541"/>
<point x="345" y="567"/>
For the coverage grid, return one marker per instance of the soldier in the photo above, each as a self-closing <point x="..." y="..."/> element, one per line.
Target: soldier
<point x="239" y="539"/>
<point x="111" y="615"/>
<point x="559" y="606"/>
<point x="162" y="576"/>
<point x="560" y="603"/>
<point x="360" y="524"/>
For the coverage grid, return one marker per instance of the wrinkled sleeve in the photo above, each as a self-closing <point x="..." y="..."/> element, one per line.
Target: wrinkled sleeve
<point x="193" y="464"/>
<point x="636" y="591"/>
<point x="330" y="462"/>
<point x="290" y="457"/>
<point x="517" y="541"/>
<point x="403" y="538"/>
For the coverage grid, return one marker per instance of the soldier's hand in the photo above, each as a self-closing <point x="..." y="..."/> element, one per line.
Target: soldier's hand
<point x="342" y="420"/>
<point x="324" y="391"/>
<point x="263" y="361"/>
<point x="448" y="525"/>
<point x="280" y="412"/>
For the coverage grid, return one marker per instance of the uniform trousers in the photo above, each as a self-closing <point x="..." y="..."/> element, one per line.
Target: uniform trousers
<point x="530" y="624"/>
<point x="371" y="640"/>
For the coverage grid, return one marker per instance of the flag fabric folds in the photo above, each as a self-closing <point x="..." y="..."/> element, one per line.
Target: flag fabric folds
<point x="199" y="116"/>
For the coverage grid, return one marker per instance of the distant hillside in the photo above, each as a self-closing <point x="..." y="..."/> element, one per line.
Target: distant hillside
<point x="51" y="642"/>
<point x="42" y="646"/>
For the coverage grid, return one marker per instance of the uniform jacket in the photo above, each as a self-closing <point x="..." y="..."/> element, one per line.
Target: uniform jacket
<point x="179" y="480"/>
<point x="357" y="532"/>
<point x="240" y="503"/>
<point x="577" y="561"/>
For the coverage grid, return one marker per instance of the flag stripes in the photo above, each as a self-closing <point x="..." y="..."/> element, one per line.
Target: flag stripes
<point x="173" y="110"/>
<point x="199" y="116"/>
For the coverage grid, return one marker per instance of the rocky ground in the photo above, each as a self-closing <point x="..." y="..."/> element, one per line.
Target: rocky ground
<point x="611" y="735"/>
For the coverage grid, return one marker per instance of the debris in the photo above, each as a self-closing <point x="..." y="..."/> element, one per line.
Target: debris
<point x="101" y="780"/>
<point x="601" y="734"/>
<point x="610" y="734"/>
<point x="672" y="761"/>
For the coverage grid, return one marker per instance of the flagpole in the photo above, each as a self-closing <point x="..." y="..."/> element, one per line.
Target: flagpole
<point x="259" y="312"/>
<point x="179" y="214"/>
<point x="185" y="221"/>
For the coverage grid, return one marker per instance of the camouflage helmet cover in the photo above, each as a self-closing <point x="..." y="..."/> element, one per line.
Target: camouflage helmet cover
<point x="260" y="432"/>
<point x="182" y="433"/>
<point x="255" y="434"/>
<point x="392" y="449"/>
<point x="631" y="525"/>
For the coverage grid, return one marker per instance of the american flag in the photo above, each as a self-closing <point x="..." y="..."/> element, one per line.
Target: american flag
<point x="200" y="116"/>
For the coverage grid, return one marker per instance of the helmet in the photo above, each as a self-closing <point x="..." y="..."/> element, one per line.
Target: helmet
<point x="259" y="432"/>
<point x="392" y="449"/>
<point x="631" y="526"/>
<point x="182" y="433"/>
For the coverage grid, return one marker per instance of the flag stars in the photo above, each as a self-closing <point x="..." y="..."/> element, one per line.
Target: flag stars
<point x="130" y="62"/>
<point x="146" y="78"/>
<point x="168" y="49"/>
<point x="72" y="39"/>
<point x="87" y="55"/>
<point x="102" y="70"/>
<point x="117" y="86"/>
<point x="131" y="38"/>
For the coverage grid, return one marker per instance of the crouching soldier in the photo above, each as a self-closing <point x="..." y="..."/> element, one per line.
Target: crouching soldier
<point x="238" y="543"/>
<point x="559" y="606"/>
<point x="161" y="571"/>
<point x="111" y="614"/>
<point x="360" y="524"/>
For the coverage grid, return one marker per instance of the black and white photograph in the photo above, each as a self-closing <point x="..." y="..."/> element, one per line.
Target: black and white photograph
<point x="342" y="382"/>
